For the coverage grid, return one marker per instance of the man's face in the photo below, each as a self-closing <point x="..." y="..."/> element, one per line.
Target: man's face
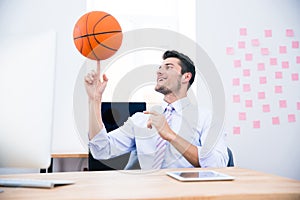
<point x="169" y="76"/>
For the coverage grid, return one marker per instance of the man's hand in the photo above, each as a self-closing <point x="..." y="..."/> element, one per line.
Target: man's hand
<point x="94" y="86"/>
<point x="188" y="150"/>
<point x="160" y="123"/>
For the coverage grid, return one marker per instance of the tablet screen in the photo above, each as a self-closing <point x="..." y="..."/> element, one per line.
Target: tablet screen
<point x="199" y="175"/>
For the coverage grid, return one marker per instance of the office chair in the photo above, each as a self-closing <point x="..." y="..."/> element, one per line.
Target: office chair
<point x="230" y="155"/>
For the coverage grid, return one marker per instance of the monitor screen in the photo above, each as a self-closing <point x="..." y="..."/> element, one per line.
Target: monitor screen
<point x="114" y="114"/>
<point x="26" y="103"/>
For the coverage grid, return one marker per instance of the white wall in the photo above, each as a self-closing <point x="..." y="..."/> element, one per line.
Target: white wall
<point x="260" y="143"/>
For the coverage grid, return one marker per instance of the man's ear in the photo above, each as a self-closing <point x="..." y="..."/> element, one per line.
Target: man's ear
<point x="186" y="77"/>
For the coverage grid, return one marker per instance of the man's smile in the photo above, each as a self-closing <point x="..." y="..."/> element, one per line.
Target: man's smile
<point x="160" y="79"/>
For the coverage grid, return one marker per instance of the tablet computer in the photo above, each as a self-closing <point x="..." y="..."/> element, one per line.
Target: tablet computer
<point x="203" y="175"/>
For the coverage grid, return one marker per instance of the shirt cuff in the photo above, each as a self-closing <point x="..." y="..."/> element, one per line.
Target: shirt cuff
<point x="199" y="158"/>
<point x="99" y="136"/>
<point x="216" y="158"/>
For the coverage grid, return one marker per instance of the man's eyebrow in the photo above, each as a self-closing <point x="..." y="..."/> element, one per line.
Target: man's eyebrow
<point x="169" y="64"/>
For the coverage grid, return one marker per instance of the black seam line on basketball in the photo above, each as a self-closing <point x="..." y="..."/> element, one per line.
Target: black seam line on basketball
<point x="93" y="34"/>
<point x="108" y="15"/>
<point x="100" y="21"/>
<point x="112" y="49"/>
<point x="86" y="27"/>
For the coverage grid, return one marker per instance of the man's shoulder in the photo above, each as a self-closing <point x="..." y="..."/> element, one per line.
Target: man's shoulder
<point x="203" y="111"/>
<point x="200" y="111"/>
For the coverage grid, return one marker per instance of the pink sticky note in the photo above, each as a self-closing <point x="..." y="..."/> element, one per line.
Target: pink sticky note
<point x="260" y="66"/>
<point x="236" y="81"/>
<point x="291" y="117"/>
<point x="243" y="31"/>
<point x="275" y="120"/>
<point x="237" y="63"/>
<point x="229" y="51"/>
<point x="255" y="42"/>
<point x="282" y="103"/>
<point x="264" y="51"/>
<point x="268" y="33"/>
<point x="278" y="75"/>
<point x="298" y="59"/>
<point x="262" y="80"/>
<point x="282" y="49"/>
<point x="246" y="87"/>
<point x="273" y="61"/>
<point x="236" y="130"/>
<point x="248" y="56"/>
<point x="248" y="103"/>
<point x="289" y="32"/>
<point x="266" y="108"/>
<point x="298" y="105"/>
<point x="236" y="98"/>
<point x="261" y="95"/>
<point x="241" y="44"/>
<point x="295" y="76"/>
<point x="295" y="44"/>
<point x="256" y="124"/>
<point x="278" y="89"/>
<point x="246" y="72"/>
<point x="242" y="116"/>
<point x="285" y="64"/>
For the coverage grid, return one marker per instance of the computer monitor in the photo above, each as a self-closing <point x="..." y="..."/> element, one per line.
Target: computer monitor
<point x="114" y="114"/>
<point x="26" y="102"/>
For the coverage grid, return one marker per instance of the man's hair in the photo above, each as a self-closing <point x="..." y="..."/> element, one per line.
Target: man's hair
<point x="186" y="63"/>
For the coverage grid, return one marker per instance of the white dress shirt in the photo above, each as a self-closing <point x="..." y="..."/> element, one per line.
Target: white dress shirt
<point x="188" y="121"/>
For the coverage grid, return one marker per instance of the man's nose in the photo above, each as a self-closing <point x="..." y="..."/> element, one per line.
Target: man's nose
<point x="159" y="71"/>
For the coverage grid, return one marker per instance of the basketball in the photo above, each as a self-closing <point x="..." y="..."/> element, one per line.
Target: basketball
<point x="97" y="35"/>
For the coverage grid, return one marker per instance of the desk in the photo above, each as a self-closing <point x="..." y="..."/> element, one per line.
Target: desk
<point x="69" y="155"/>
<point x="156" y="185"/>
<point x="61" y="156"/>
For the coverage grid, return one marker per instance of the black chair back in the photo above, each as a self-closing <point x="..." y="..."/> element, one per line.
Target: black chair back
<point x="230" y="161"/>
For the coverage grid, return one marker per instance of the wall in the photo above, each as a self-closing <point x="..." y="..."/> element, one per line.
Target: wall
<point x="255" y="46"/>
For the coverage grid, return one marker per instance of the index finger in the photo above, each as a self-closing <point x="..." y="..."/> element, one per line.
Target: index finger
<point x="98" y="69"/>
<point x="151" y="113"/>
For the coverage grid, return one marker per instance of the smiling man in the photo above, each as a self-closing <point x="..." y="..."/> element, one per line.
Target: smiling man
<point x="172" y="138"/>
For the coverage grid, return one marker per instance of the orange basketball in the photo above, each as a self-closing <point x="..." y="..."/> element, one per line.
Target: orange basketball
<point x="97" y="35"/>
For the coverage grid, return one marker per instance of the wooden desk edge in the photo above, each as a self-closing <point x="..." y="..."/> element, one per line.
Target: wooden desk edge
<point x="70" y="155"/>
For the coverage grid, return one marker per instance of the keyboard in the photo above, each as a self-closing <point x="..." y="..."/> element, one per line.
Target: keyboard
<point x="33" y="183"/>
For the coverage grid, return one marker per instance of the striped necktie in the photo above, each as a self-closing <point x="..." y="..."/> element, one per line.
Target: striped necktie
<point x="161" y="144"/>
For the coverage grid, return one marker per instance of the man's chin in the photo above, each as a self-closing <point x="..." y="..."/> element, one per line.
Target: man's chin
<point x="162" y="89"/>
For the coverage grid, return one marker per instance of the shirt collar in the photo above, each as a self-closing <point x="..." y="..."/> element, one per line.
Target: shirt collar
<point x="178" y="105"/>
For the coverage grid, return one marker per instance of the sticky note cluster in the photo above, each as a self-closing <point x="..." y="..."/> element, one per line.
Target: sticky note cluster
<point x="265" y="71"/>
